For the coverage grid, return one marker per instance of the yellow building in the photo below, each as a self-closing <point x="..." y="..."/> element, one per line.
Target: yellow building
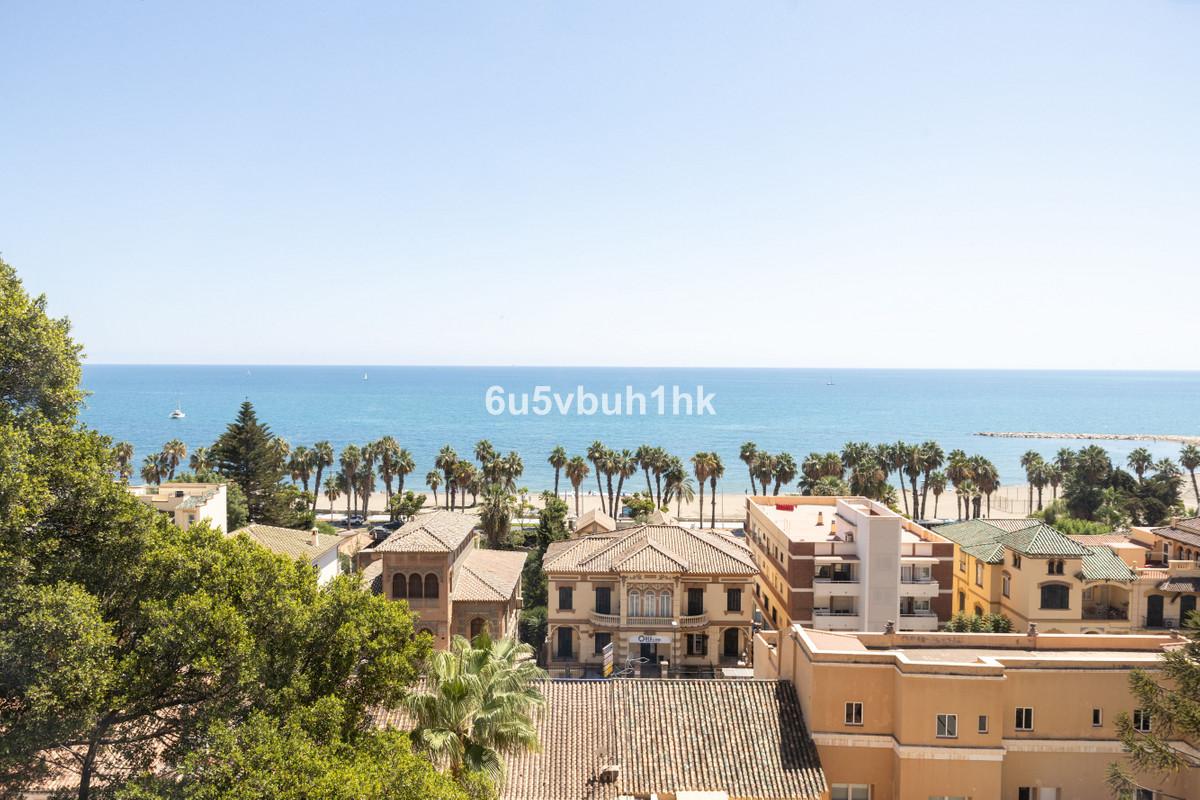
<point x="455" y="589"/>
<point x="1030" y="572"/>
<point x="187" y="503"/>
<point x="662" y="595"/>
<point x="916" y="716"/>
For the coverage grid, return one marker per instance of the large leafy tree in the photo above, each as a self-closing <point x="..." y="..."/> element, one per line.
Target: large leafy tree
<point x="124" y="640"/>
<point x="247" y="454"/>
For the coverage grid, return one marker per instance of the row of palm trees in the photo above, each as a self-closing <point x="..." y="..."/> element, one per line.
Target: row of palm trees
<point x="667" y="478"/>
<point x="158" y="467"/>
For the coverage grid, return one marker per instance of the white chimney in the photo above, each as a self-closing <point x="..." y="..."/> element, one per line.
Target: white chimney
<point x="820" y="518"/>
<point x="313" y="538"/>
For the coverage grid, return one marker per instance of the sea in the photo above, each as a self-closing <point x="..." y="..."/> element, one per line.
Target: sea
<point x="792" y="410"/>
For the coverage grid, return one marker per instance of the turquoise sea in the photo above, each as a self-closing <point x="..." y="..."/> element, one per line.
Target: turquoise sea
<point x="793" y="410"/>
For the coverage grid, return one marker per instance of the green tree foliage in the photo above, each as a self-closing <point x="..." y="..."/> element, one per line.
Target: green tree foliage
<point x="307" y="756"/>
<point x="1096" y="490"/>
<point x="477" y="705"/>
<point x="979" y="623"/>
<point x="406" y="505"/>
<point x="248" y="454"/>
<point x="1171" y="699"/>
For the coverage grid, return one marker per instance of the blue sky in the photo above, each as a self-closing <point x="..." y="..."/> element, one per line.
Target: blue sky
<point x="1004" y="184"/>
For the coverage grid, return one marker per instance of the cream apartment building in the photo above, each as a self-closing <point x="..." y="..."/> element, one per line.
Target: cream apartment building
<point x="925" y="716"/>
<point x="846" y="563"/>
<point x="187" y="503"/>
<point x="662" y="595"/>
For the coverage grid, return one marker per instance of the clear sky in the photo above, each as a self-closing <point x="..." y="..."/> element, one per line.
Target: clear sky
<point x="959" y="184"/>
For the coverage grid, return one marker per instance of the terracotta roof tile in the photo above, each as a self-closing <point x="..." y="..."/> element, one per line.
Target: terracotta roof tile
<point x="289" y="541"/>
<point x="438" y="532"/>
<point x="651" y="547"/>
<point x="489" y="575"/>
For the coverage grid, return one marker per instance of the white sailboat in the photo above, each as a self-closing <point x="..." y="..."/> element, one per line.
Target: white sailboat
<point x="178" y="412"/>
<point x="364" y="376"/>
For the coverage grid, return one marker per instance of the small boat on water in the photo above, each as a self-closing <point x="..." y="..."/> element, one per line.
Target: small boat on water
<point x="178" y="414"/>
<point x="364" y="376"/>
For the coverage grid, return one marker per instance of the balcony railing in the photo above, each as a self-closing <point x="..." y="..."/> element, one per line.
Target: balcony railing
<point x="1105" y="612"/>
<point x="649" y="622"/>
<point x="693" y="621"/>
<point x="835" y="612"/>
<point x="904" y="614"/>
<point x="606" y="620"/>
<point x="835" y="580"/>
<point x="918" y="580"/>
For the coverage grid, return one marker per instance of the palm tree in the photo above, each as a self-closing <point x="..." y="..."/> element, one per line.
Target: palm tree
<point x="511" y="469"/>
<point x="785" y="471"/>
<point x="958" y="471"/>
<point x="282" y="449"/>
<point x="679" y="484"/>
<point x="936" y="483"/>
<point x="123" y="453"/>
<point x="1064" y="459"/>
<point x="364" y="482"/>
<point x="322" y="457"/>
<point x="896" y="456"/>
<point x="701" y="463"/>
<point x="1055" y="476"/>
<point x="932" y="458"/>
<point x="748" y="455"/>
<point x="200" y="460"/>
<point x="333" y="490"/>
<point x="152" y="468"/>
<point x="1028" y="460"/>
<point x="914" y="466"/>
<point x="595" y="454"/>
<point x="1038" y="478"/>
<point x="577" y="470"/>
<point x="174" y="452"/>
<point x="300" y="466"/>
<point x="1139" y="461"/>
<point x="349" y="460"/>
<point x="477" y="705"/>
<point x="403" y="467"/>
<point x="445" y="460"/>
<point x="433" y="479"/>
<point x="625" y="464"/>
<point x="558" y="460"/>
<point x="495" y="515"/>
<point x="645" y="456"/>
<point x="387" y="449"/>
<point x="716" y="469"/>
<point x="764" y="469"/>
<point x="608" y="463"/>
<point x="486" y="454"/>
<point x="985" y="477"/>
<point x="1189" y="458"/>
<point x="465" y="478"/>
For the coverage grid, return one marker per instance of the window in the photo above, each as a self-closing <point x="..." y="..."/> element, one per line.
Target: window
<point x="962" y="562"/>
<point x="664" y="605"/>
<point x="399" y="586"/>
<point x="1097" y="717"/>
<point x="416" y="586"/>
<point x="697" y="644"/>
<point x="566" y="598"/>
<point x="1054" y="567"/>
<point x="1056" y="596"/>
<point x="431" y="585"/>
<point x="1037" y="793"/>
<point x="635" y="604"/>
<point x="979" y="573"/>
<point x="1017" y="560"/>
<point x="1006" y="584"/>
<point x="978" y="610"/>
<point x="478" y="626"/>
<point x="733" y="600"/>
<point x="1144" y="794"/>
<point x="603" y="600"/>
<point x="1024" y="719"/>
<point x="983" y="723"/>
<point x="695" y="602"/>
<point x="564" y="643"/>
<point x="1141" y="721"/>
<point x="962" y="601"/>
<point x="602" y="639"/>
<point x="947" y="726"/>
<point x="850" y="791"/>
<point x="854" y="714"/>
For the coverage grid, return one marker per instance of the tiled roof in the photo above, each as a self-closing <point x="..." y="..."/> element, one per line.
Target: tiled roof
<point x="488" y="575"/>
<point x="1102" y="564"/>
<point x="1185" y="531"/>
<point x="289" y="541"/>
<point x="986" y="539"/>
<point x="1179" y="583"/>
<point x="372" y="577"/>
<point x="652" y="548"/>
<point x="596" y="517"/>
<point x="438" y="532"/>
<point x="746" y="738"/>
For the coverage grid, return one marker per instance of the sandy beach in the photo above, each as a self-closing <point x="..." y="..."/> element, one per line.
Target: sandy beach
<point x="1009" y="502"/>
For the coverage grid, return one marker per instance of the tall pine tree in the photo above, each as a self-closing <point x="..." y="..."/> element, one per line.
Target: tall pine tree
<point x="245" y="454"/>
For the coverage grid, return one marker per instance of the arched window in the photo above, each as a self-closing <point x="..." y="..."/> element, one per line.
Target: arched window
<point x="1056" y="596"/>
<point x="664" y="604"/>
<point x="431" y="585"/>
<point x="399" y="586"/>
<point x="478" y="626"/>
<point x="635" y="604"/>
<point x="415" y="585"/>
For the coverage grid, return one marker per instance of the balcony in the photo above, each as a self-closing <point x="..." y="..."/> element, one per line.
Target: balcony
<point x="693" y="621"/>
<point x="648" y="622"/>
<point x="919" y="621"/>
<point x="836" y="587"/>
<point x="921" y="589"/>
<point x="835" y="619"/>
<point x="605" y="620"/>
<point x="1106" y="612"/>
